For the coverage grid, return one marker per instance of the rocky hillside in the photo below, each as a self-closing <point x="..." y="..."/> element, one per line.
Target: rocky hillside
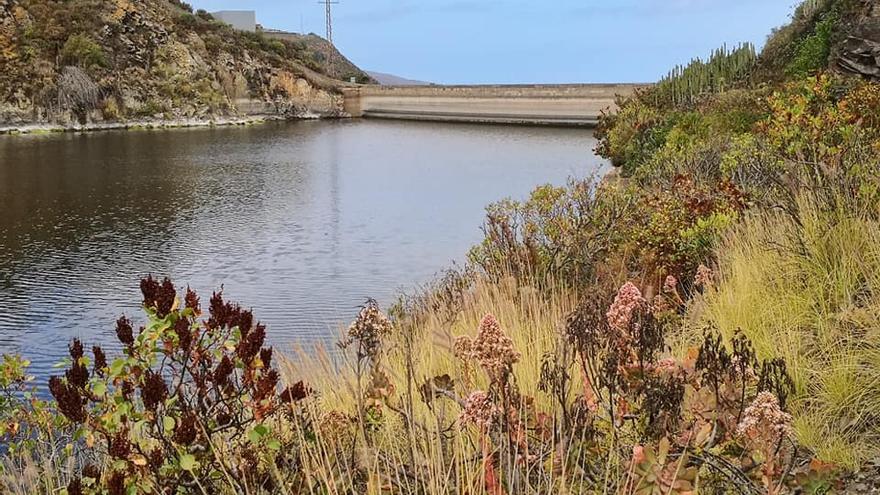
<point x="838" y="35"/>
<point x="322" y="53"/>
<point x="91" y="61"/>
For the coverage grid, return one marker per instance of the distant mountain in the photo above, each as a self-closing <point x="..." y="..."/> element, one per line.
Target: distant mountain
<point x="392" y="80"/>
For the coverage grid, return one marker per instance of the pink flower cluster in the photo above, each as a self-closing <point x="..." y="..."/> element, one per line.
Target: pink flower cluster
<point x="764" y="424"/>
<point x="463" y="347"/>
<point x="492" y="348"/>
<point x="479" y="410"/>
<point x="629" y="298"/>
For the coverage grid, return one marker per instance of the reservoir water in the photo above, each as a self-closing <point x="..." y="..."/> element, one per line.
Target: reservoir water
<point x="300" y="221"/>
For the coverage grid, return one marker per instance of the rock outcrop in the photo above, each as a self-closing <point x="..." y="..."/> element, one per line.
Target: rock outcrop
<point x="859" y="53"/>
<point x="92" y="61"/>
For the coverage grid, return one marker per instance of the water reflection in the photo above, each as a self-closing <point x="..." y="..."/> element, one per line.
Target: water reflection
<point x="302" y="221"/>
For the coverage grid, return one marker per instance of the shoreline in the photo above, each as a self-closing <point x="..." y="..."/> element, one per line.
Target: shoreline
<point x="48" y="128"/>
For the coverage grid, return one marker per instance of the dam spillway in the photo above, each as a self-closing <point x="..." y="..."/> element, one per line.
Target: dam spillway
<point x="574" y="105"/>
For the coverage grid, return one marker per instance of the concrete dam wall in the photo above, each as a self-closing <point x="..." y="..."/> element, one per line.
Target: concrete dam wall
<point x="563" y="105"/>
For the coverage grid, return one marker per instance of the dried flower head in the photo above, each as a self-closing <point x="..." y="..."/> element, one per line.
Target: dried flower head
<point x="222" y="371"/>
<point x="116" y="483"/>
<point x="479" y="410"/>
<point x="369" y="328"/>
<point x="75" y="487"/>
<point x="266" y="385"/>
<point x="670" y="284"/>
<point x="493" y="349"/>
<point x="120" y="446"/>
<point x="91" y="471"/>
<point x="333" y="425"/>
<point x="184" y="334"/>
<point x="704" y="277"/>
<point x="266" y="357"/>
<point x="185" y="433"/>
<point x="764" y="423"/>
<point x="77" y="375"/>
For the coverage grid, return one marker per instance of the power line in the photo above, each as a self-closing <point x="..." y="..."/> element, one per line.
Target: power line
<point x="329" y="15"/>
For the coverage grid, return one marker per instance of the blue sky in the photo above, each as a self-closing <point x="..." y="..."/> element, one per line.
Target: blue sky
<point x="519" y="41"/>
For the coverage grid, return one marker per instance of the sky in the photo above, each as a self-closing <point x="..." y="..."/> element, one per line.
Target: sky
<point x="519" y="41"/>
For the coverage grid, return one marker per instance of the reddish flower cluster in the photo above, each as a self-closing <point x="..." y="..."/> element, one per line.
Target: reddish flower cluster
<point x="629" y="299"/>
<point x="154" y="391"/>
<point x="295" y="393"/>
<point x="159" y="297"/>
<point x="493" y="349"/>
<point x="479" y="410"/>
<point x="124" y="332"/>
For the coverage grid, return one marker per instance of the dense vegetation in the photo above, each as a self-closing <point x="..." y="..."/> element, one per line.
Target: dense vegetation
<point x="705" y="322"/>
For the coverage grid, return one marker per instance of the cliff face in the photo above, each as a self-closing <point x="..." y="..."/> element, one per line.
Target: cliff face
<point x="836" y="35"/>
<point x="859" y="50"/>
<point x="87" y="61"/>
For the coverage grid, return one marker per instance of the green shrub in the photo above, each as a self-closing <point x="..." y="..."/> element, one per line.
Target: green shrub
<point x="82" y="51"/>
<point x="629" y="136"/>
<point x="559" y="232"/>
<point x="811" y="53"/>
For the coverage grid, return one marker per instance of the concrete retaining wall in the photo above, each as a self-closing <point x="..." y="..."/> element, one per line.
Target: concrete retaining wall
<point x="568" y="105"/>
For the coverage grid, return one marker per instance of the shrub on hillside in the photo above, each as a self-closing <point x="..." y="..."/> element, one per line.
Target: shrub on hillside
<point x="559" y="233"/>
<point x="81" y="50"/>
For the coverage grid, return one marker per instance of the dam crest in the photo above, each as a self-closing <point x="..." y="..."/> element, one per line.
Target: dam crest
<point x="572" y="105"/>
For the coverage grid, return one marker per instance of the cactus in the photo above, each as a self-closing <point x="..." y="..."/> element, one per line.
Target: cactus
<point x="724" y="68"/>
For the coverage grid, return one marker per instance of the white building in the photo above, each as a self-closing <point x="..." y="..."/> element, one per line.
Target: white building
<point x="244" y="20"/>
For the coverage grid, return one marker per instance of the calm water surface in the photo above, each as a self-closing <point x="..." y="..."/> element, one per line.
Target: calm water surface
<point x="301" y="221"/>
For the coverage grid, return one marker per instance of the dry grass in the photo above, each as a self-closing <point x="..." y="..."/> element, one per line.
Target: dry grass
<point x="810" y="293"/>
<point x="529" y="318"/>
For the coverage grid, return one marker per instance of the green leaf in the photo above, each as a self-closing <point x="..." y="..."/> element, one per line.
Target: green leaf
<point x="99" y="389"/>
<point x="62" y="364"/>
<point x="168" y="424"/>
<point x="116" y="366"/>
<point x="254" y="437"/>
<point x="261" y="430"/>
<point x="188" y="462"/>
<point x="274" y="444"/>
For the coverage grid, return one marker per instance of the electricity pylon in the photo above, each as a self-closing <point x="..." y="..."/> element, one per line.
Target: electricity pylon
<point x="329" y="15"/>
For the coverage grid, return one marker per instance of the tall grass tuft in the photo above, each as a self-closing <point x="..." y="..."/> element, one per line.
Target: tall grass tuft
<point x="807" y="288"/>
<point x="425" y="346"/>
